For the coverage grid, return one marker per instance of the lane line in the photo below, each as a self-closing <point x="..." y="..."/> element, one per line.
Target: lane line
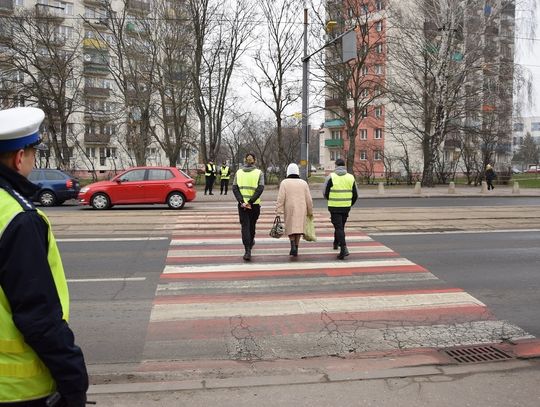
<point x="455" y="232"/>
<point x="99" y="280"/>
<point x="111" y="239"/>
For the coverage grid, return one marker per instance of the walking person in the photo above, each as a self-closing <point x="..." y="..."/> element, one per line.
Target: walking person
<point x="39" y="360"/>
<point x="209" y="176"/>
<point x="341" y="193"/>
<point x="490" y="176"/>
<point x="248" y="185"/>
<point x="295" y="204"/>
<point x="225" y="175"/>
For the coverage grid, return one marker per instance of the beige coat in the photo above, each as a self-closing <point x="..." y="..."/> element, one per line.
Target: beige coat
<point x="294" y="203"/>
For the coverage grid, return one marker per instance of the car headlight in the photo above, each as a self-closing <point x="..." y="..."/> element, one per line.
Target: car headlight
<point x="84" y="190"/>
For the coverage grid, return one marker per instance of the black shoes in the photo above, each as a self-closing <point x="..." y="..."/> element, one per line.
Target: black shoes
<point x="247" y="255"/>
<point x="294" y="249"/>
<point x="335" y="245"/>
<point x="343" y="253"/>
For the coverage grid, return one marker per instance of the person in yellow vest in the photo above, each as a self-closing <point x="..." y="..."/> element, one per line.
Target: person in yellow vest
<point x="225" y="173"/>
<point x="340" y="191"/>
<point x="40" y="365"/>
<point x="248" y="185"/>
<point x="210" y="176"/>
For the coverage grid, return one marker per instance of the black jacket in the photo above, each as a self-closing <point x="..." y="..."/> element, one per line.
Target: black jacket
<point x="27" y="281"/>
<point x="326" y="193"/>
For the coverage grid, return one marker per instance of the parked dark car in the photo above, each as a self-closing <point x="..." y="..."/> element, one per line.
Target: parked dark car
<point x="55" y="186"/>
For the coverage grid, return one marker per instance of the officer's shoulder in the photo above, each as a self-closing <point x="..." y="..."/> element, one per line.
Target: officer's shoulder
<point x="25" y="203"/>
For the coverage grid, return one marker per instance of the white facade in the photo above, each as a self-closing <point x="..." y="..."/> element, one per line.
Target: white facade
<point x="522" y="126"/>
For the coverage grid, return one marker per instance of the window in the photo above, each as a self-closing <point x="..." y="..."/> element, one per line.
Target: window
<point x="365" y="70"/>
<point x="378" y="134"/>
<point x="365" y="8"/>
<point x="365" y="112"/>
<point x="378" y="69"/>
<point x="90" y="152"/>
<point x="159" y="175"/>
<point x="379" y="48"/>
<point x="365" y="92"/>
<point x="19" y="2"/>
<point x="378" y="155"/>
<point x="363" y="134"/>
<point x="379" y="5"/>
<point x="518" y="126"/>
<point x="34" y="175"/>
<point x="363" y="155"/>
<point x="379" y="26"/>
<point x="135" y="175"/>
<point x="378" y="113"/>
<point x="535" y="126"/>
<point x="336" y="135"/>
<point x="54" y="176"/>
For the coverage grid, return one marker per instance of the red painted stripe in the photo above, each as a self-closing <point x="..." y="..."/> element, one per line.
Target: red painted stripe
<point x="279" y="244"/>
<point x="319" y="323"/>
<point x="227" y="298"/>
<point x="231" y="235"/>
<point x="330" y="272"/>
<point x="268" y="258"/>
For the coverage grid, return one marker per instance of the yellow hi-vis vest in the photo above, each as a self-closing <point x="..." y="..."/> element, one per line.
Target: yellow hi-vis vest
<point x="247" y="182"/>
<point x="209" y="169"/>
<point x="225" y="173"/>
<point x="341" y="192"/>
<point x="23" y="376"/>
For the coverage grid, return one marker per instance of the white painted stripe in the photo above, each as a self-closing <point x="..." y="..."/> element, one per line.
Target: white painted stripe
<point x="220" y="241"/>
<point x="456" y="232"/>
<point x="111" y="239"/>
<point x="177" y="312"/>
<point x="99" y="280"/>
<point x="219" y="252"/>
<point x="253" y="266"/>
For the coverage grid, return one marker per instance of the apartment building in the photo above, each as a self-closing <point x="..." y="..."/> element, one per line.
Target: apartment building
<point x="522" y="126"/>
<point x="97" y="136"/>
<point x="482" y="36"/>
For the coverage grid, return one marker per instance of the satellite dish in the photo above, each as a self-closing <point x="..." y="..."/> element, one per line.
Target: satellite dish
<point x="87" y="57"/>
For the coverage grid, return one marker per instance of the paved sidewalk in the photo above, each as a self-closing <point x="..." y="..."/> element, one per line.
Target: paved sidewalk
<point x="270" y="192"/>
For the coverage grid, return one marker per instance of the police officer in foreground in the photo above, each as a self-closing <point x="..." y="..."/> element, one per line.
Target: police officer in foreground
<point x="248" y="185"/>
<point x="39" y="361"/>
<point x="340" y="191"/>
<point x="225" y="173"/>
<point x="209" y="176"/>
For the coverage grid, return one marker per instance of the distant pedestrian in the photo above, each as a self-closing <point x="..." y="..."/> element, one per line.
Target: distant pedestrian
<point x="295" y="204"/>
<point x="225" y="175"/>
<point x="490" y="176"/>
<point x="209" y="176"/>
<point x="341" y="193"/>
<point x="248" y="185"/>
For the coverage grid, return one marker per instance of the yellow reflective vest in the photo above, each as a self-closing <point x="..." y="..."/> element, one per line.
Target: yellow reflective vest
<point x="247" y="182"/>
<point x="340" y="195"/>
<point x="210" y="169"/>
<point x="23" y="376"/>
<point x="225" y="173"/>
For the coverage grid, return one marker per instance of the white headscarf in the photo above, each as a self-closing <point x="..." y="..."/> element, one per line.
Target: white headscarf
<point x="293" y="169"/>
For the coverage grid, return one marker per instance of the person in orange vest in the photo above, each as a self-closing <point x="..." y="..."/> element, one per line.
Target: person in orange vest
<point x="40" y="364"/>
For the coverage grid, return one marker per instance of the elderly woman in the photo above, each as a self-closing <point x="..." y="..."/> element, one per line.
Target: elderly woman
<point x="294" y="203"/>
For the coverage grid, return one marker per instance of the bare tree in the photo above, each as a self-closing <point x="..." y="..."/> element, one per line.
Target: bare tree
<point x="221" y="31"/>
<point x="274" y="84"/>
<point x="43" y="68"/>
<point x="528" y="153"/>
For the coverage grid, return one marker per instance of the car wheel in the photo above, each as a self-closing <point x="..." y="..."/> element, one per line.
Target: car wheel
<point x="47" y="198"/>
<point x="100" y="201"/>
<point x="176" y="200"/>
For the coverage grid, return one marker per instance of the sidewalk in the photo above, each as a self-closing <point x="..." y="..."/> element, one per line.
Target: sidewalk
<point x="364" y="191"/>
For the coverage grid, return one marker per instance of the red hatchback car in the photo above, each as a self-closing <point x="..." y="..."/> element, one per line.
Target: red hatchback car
<point x="141" y="185"/>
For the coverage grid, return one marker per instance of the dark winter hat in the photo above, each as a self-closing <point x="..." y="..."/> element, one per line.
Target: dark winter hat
<point x="340" y="162"/>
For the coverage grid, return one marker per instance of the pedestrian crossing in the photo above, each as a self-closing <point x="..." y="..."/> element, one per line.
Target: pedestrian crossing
<point x="210" y="304"/>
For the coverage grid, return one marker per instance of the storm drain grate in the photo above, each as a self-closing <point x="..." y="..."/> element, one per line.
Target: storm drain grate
<point x="477" y="354"/>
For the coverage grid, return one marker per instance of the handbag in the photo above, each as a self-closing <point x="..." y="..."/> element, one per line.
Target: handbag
<point x="309" y="230"/>
<point x="277" y="229"/>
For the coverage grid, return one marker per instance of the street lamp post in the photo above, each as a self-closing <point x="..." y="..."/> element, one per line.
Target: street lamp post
<point x="348" y="53"/>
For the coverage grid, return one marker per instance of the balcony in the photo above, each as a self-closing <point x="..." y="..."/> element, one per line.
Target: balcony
<point x="96" y="92"/>
<point x="94" y="43"/>
<point x="335" y="123"/>
<point x="333" y="143"/>
<point x="95" y="68"/>
<point x="97" y="138"/>
<point x="138" y="6"/>
<point x="6" y="6"/>
<point x="331" y="103"/>
<point x="93" y="2"/>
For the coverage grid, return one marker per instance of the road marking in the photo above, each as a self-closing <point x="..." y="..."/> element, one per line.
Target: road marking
<point x="99" y="280"/>
<point x="111" y="239"/>
<point x="213" y="241"/>
<point x="455" y="232"/>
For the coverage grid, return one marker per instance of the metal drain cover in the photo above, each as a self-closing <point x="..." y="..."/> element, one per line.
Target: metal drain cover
<point x="477" y="354"/>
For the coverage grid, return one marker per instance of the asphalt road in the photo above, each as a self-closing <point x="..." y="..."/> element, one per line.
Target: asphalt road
<point x="361" y="203"/>
<point x="110" y="318"/>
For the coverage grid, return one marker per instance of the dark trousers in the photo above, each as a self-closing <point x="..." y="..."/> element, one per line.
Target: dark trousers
<point x="338" y="220"/>
<point x="224" y="185"/>
<point x="490" y="184"/>
<point x="32" y="403"/>
<point x="248" y="221"/>
<point x="209" y="184"/>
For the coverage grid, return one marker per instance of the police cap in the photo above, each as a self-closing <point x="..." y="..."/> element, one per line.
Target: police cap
<point x="19" y="128"/>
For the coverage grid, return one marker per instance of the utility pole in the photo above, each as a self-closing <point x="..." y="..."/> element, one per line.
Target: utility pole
<point x="304" y="147"/>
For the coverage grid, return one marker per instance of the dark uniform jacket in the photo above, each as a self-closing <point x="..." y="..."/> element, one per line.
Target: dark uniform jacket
<point x="27" y="281"/>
